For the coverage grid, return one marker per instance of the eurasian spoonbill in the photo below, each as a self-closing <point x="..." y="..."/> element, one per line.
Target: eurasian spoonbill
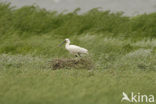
<point x="73" y="49"/>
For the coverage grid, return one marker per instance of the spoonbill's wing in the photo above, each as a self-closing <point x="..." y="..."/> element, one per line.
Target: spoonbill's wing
<point x="78" y="49"/>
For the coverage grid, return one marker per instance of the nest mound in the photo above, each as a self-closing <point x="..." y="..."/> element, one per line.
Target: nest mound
<point x="71" y="63"/>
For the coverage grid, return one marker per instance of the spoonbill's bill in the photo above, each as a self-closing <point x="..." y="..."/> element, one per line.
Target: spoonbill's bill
<point x="73" y="49"/>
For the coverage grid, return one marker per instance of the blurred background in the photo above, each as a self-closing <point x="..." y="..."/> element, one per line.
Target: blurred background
<point x="130" y="7"/>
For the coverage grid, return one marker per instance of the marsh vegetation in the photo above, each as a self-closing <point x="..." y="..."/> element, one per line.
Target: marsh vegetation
<point x="122" y="50"/>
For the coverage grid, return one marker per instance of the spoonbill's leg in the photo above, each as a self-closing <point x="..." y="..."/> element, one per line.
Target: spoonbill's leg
<point x="79" y="54"/>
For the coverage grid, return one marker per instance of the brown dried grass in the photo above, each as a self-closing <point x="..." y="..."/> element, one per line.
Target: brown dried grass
<point x="82" y="63"/>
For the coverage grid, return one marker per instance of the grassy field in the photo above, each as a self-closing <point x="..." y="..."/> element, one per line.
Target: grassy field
<point x="27" y="79"/>
<point x="122" y="49"/>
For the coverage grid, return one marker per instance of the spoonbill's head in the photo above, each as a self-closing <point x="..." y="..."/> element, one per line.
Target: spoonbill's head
<point x="65" y="41"/>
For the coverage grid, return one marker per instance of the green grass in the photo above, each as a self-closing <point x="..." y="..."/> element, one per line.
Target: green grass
<point x="124" y="67"/>
<point x="32" y="20"/>
<point x="123" y="50"/>
<point x="38" y="86"/>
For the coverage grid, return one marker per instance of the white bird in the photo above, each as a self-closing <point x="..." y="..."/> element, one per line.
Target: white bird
<point x="73" y="49"/>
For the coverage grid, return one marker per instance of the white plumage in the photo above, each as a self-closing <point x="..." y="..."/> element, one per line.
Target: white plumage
<point x="73" y="49"/>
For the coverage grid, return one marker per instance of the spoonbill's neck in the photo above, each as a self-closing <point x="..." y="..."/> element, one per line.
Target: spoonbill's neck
<point x="67" y="44"/>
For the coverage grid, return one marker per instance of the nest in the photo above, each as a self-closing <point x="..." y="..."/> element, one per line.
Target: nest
<point x="71" y="64"/>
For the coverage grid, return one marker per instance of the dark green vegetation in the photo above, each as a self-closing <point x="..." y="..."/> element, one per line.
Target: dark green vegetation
<point x="32" y="20"/>
<point x="122" y="48"/>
